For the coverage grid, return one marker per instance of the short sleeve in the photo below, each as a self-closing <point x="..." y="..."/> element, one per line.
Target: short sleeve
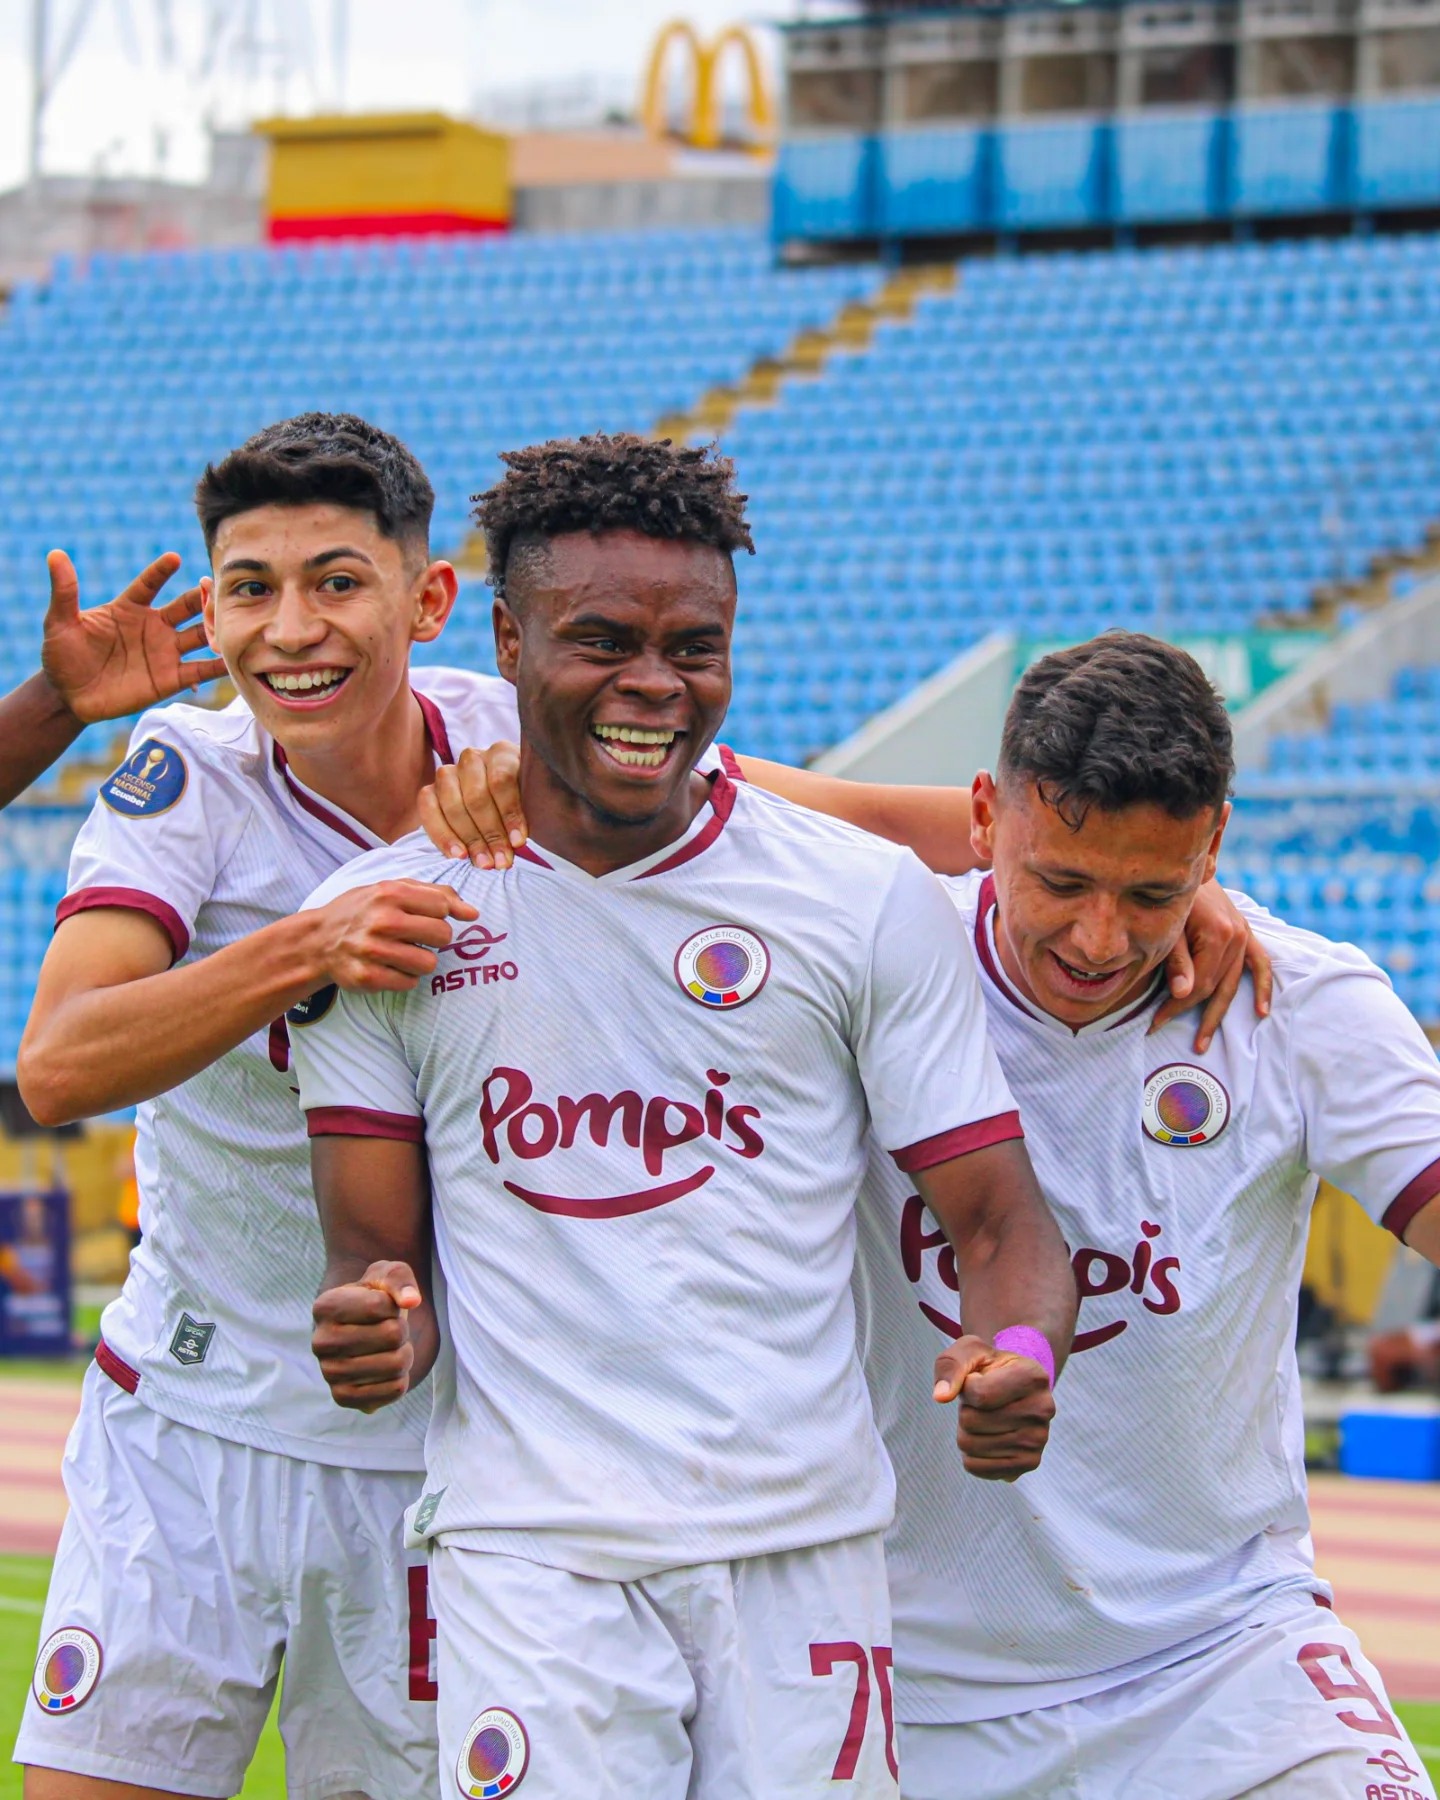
<point x="1368" y="1086"/>
<point x="931" y="1076"/>
<point x="154" y="838"/>
<point x="350" y="1064"/>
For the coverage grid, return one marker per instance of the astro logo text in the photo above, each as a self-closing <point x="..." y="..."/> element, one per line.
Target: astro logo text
<point x="472" y="947"/>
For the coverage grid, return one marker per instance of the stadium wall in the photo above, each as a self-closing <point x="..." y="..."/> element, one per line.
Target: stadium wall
<point x="1356" y="665"/>
<point x="1284" y="160"/>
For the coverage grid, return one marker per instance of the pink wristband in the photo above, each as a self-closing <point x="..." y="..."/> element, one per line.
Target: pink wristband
<point x="1025" y="1340"/>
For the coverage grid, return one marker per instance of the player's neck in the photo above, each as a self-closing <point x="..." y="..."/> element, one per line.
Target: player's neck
<point x="376" y="776"/>
<point x="562" y="821"/>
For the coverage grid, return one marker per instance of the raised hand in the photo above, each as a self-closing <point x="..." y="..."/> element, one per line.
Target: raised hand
<point x="107" y="662"/>
<point x="1207" y="965"/>
<point x="473" y="807"/>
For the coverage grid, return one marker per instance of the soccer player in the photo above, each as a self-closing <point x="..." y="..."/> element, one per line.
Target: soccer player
<point x="639" y="1090"/>
<point x="1144" y="1618"/>
<point x="105" y="662"/>
<point x="223" y="1511"/>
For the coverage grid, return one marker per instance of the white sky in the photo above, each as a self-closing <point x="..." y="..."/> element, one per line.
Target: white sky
<point x="116" y="108"/>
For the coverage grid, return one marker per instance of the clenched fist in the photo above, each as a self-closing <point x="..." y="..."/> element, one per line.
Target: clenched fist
<point x="362" y="1336"/>
<point x="1005" y="1407"/>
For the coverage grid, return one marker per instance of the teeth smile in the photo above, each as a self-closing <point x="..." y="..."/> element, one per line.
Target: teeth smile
<point x="617" y="740"/>
<point x="304" y="683"/>
<point x="1086" y="974"/>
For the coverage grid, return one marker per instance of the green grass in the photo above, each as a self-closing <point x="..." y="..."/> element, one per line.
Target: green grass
<point x="22" y="1591"/>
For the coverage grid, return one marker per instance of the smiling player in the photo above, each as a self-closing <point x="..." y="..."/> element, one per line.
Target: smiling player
<point x="1146" y="1619"/>
<point x="223" y="1511"/>
<point x="1143" y="1617"/>
<point x="655" y="1490"/>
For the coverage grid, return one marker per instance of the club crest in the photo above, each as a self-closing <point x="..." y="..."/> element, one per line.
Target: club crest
<point x="722" y="966"/>
<point x="494" y="1756"/>
<point x="1184" y="1106"/>
<point x="66" y="1670"/>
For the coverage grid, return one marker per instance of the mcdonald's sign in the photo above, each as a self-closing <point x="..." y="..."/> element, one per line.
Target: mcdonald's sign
<point x="705" y="127"/>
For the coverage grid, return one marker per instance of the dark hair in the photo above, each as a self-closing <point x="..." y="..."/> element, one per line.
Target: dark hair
<point x="620" y="483"/>
<point x="1125" y="720"/>
<point x="320" y="457"/>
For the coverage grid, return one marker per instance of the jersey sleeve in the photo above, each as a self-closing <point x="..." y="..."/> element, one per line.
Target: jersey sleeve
<point x="1368" y="1087"/>
<point x="155" y="836"/>
<point x="930" y="1073"/>
<point x="347" y="1055"/>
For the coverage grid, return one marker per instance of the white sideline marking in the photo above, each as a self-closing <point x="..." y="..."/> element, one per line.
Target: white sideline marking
<point x="12" y="1603"/>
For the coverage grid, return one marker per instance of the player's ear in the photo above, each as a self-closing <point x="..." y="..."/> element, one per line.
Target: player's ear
<point x="435" y="595"/>
<point x="507" y="640"/>
<point x="1212" y="855"/>
<point x="207" y="610"/>
<point x="982" y="817"/>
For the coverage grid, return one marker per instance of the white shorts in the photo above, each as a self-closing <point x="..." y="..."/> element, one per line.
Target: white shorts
<point x="765" y="1679"/>
<point x="188" y="1566"/>
<point x="1288" y="1710"/>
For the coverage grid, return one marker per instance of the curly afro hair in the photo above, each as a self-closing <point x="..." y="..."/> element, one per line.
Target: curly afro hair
<point x="333" y="458"/>
<point x="619" y="483"/>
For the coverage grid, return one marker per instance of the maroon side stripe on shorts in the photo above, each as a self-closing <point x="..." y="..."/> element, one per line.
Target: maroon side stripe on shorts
<point x="117" y="1368"/>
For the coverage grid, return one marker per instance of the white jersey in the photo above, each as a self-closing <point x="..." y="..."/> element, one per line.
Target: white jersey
<point x="1171" y="1502"/>
<point x="646" y="1099"/>
<point x="205" y="828"/>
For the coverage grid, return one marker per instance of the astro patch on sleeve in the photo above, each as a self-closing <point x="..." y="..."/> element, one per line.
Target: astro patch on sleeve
<point x="149" y="782"/>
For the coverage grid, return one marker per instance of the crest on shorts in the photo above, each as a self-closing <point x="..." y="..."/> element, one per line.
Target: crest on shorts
<point x="1184" y="1106"/>
<point x="494" y="1756"/>
<point x="722" y="966"/>
<point x="191" y="1340"/>
<point x="148" y="782"/>
<point x="66" y="1670"/>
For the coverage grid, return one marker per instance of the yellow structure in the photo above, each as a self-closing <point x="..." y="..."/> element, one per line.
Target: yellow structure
<point x="1347" y="1257"/>
<point x="385" y="175"/>
<point x="705" y="127"/>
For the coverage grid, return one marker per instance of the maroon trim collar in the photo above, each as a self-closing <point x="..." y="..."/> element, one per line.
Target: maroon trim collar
<point x="720" y="800"/>
<point x="439" y="739"/>
<point x="1002" y="981"/>
<point x="987" y="955"/>
<point x="721" y="803"/>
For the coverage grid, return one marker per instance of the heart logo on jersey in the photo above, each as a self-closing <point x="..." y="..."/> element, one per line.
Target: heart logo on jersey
<point x="1184" y="1106"/>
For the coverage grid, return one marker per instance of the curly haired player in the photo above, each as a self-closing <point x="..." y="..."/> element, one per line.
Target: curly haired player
<point x="1142" y="1617"/>
<point x="630" y="1112"/>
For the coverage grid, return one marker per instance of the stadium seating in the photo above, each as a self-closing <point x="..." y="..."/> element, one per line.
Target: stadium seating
<point x="119" y="379"/>
<point x="1185" y="440"/>
<point x="1341" y="834"/>
<point x="1188" y="441"/>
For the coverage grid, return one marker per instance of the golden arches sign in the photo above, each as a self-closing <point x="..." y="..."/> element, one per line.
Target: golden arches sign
<point x="705" y="129"/>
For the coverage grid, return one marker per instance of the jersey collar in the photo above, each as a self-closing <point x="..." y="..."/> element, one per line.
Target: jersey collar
<point x="702" y="832"/>
<point x="987" y="951"/>
<point x="326" y="811"/>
